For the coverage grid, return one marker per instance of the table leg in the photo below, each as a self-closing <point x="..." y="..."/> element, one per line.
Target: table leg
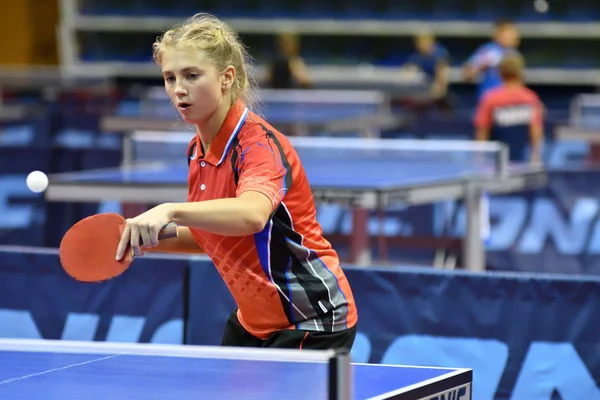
<point x="127" y="151"/>
<point x="594" y="155"/>
<point x="360" y="252"/>
<point x="473" y="248"/>
<point x="381" y="238"/>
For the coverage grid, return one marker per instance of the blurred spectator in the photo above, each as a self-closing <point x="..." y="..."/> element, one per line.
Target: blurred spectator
<point x="433" y="60"/>
<point x="484" y="62"/>
<point x="512" y="113"/>
<point x="287" y="70"/>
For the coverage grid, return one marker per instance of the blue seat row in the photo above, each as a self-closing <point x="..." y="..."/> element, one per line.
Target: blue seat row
<point x="332" y="49"/>
<point x="575" y="10"/>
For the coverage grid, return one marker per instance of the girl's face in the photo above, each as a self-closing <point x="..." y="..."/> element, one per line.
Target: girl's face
<point x="194" y="84"/>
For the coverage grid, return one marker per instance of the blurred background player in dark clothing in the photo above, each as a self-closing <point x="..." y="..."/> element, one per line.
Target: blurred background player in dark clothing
<point x="512" y="113"/>
<point x="287" y="70"/>
<point x="484" y="62"/>
<point x="433" y="60"/>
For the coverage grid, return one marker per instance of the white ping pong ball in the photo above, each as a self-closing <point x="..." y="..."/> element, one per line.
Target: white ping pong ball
<point x="37" y="181"/>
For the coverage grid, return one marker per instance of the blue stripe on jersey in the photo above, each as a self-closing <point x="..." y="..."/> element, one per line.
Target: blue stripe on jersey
<point x="262" y="241"/>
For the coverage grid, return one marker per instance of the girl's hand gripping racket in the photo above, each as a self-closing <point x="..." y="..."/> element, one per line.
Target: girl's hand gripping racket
<point x="87" y="251"/>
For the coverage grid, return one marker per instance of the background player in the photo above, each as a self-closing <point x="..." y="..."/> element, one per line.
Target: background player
<point x="250" y="206"/>
<point x="433" y="59"/>
<point x="287" y="69"/>
<point x="512" y="113"/>
<point x="484" y="62"/>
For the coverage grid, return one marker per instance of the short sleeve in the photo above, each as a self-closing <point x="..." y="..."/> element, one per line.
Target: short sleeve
<point x="483" y="115"/>
<point x="538" y="113"/>
<point x="485" y="56"/>
<point x="263" y="167"/>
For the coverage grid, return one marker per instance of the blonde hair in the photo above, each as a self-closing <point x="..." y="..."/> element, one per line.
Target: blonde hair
<point x="512" y="66"/>
<point x="219" y="43"/>
<point x="425" y="35"/>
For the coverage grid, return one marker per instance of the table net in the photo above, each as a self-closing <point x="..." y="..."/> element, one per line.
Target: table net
<point x="148" y="147"/>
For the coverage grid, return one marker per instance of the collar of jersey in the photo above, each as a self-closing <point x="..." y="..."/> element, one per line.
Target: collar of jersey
<point x="229" y="130"/>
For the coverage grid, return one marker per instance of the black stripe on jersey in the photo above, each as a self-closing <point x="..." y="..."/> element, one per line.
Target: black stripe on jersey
<point x="234" y="158"/>
<point x="271" y="137"/>
<point x="281" y="259"/>
<point x="191" y="152"/>
<point x="311" y="285"/>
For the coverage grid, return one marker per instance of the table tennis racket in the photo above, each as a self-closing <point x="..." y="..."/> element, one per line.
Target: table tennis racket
<point x="87" y="250"/>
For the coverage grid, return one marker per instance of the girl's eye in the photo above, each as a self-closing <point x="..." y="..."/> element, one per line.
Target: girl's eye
<point x="170" y="79"/>
<point x="192" y="75"/>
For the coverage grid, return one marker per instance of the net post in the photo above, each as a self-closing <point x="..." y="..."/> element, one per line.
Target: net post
<point x="340" y="377"/>
<point x="503" y="160"/>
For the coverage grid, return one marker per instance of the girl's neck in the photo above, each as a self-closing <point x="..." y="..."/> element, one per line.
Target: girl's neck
<point x="208" y="130"/>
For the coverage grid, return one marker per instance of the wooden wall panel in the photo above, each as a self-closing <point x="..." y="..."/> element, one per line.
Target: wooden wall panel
<point x="28" y="32"/>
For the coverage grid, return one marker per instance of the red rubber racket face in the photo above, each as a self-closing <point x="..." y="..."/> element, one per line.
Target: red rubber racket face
<point x="88" y="249"/>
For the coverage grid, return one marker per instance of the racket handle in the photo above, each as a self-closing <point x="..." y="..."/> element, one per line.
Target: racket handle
<point x="168" y="231"/>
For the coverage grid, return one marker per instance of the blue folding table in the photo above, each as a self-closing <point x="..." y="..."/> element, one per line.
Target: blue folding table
<point x="361" y="177"/>
<point x="365" y="112"/>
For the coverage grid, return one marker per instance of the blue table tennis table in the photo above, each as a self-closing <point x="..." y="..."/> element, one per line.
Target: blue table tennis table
<point x="54" y="369"/>
<point x="363" y="180"/>
<point x="365" y="112"/>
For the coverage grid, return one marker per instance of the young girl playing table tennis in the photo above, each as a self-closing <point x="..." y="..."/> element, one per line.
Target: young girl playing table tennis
<point x="250" y="207"/>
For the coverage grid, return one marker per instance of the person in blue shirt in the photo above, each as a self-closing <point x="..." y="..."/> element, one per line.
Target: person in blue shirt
<point x="485" y="60"/>
<point x="433" y="60"/>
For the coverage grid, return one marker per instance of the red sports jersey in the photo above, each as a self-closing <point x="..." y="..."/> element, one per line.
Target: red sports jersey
<point x="287" y="276"/>
<point x="509" y="112"/>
